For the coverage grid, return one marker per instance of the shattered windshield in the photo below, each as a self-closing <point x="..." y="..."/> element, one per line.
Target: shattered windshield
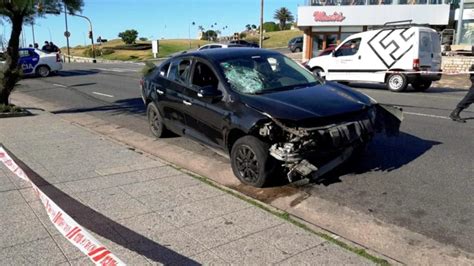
<point x="265" y="73"/>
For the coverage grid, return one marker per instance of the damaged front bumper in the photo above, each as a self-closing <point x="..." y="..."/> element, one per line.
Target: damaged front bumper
<point x="312" y="152"/>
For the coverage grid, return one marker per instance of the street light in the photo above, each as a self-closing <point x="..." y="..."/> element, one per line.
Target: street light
<point x="67" y="34"/>
<point x="261" y="23"/>
<point x="189" y="32"/>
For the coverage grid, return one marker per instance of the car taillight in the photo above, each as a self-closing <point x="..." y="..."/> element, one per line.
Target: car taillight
<point x="58" y="58"/>
<point x="416" y="64"/>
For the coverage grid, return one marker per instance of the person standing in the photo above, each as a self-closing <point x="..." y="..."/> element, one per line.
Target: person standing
<point x="46" y="47"/>
<point x="466" y="101"/>
<point x="53" y="47"/>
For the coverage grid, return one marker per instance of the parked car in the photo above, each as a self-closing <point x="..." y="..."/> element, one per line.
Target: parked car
<point x="296" y="44"/>
<point x="37" y="62"/>
<point x="267" y="112"/>
<point x="245" y="43"/>
<point x="219" y="45"/>
<point x="385" y="55"/>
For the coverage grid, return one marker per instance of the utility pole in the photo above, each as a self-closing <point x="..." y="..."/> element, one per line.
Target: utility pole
<point x="33" y="31"/>
<point x="459" y="25"/>
<point x="91" y="35"/>
<point x="66" y="33"/>
<point x="261" y="23"/>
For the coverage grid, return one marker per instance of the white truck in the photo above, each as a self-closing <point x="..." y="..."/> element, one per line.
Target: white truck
<point x="394" y="54"/>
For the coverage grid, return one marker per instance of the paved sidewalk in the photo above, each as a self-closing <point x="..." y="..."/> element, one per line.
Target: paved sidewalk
<point x="143" y="210"/>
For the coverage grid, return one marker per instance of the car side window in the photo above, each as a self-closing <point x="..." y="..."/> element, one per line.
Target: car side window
<point x="350" y="47"/>
<point x="24" y="53"/>
<point x="215" y="46"/>
<point x="164" y="70"/>
<point x="180" y="70"/>
<point x="204" y="76"/>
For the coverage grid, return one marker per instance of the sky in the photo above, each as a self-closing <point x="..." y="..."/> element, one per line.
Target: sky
<point x="153" y="19"/>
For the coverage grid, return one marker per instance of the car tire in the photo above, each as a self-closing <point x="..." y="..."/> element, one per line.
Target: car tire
<point x="43" y="71"/>
<point x="155" y="121"/>
<point x="421" y="85"/>
<point x="298" y="50"/>
<point x="251" y="161"/>
<point x="397" y="82"/>
<point x="317" y="71"/>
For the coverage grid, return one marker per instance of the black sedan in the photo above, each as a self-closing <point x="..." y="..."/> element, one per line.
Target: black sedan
<point x="270" y="114"/>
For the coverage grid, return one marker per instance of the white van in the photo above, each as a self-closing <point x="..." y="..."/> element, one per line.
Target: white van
<point x="367" y="56"/>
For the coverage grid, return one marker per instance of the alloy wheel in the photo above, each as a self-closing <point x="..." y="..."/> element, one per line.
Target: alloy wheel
<point x="247" y="164"/>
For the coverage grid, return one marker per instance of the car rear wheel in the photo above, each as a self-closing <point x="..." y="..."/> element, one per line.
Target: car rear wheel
<point x="298" y="50"/>
<point x="251" y="161"/>
<point x="43" y="71"/>
<point x="155" y="121"/>
<point x="397" y="82"/>
<point x="421" y="85"/>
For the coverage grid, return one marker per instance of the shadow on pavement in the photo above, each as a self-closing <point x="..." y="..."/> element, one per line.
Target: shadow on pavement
<point x="78" y="72"/>
<point x="383" y="154"/>
<point x="132" y="105"/>
<point x="104" y="226"/>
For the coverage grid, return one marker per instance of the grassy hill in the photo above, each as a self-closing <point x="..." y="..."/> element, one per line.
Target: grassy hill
<point x="276" y="39"/>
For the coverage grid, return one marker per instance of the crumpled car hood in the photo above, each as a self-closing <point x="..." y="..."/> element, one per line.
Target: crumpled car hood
<point x="311" y="102"/>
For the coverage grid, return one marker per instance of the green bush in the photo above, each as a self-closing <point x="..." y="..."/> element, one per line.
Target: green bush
<point x="136" y="46"/>
<point x="270" y="26"/>
<point x="88" y="52"/>
<point x="106" y="51"/>
<point x="143" y="39"/>
<point x="128" y="36"/>
<point x="9" y="108"/>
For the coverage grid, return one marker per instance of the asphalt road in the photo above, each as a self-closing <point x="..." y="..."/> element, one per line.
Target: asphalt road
<point x="421" y="180"/>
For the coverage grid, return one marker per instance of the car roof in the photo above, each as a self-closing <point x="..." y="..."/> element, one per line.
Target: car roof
<point x="222" y="54"/>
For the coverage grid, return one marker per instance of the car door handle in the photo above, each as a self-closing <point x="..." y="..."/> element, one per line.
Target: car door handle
<point x="360" y="57"/>
<point x="160" y="92"/>
<point x="187" y="103"/>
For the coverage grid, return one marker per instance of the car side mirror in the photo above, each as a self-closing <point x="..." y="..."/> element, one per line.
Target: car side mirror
<point x="209" y="93"/>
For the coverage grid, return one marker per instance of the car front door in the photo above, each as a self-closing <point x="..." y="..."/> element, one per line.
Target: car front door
<point x="208" y="113"/>
<point x="28" y="61"/>
<point x="175" y="103"/>
<point x="346" y="61"/>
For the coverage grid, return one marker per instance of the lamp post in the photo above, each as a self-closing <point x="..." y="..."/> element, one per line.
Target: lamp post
<point x="189" y="32"/>
<point x="33" y="32"/>
<point x="261" y="24"/>
<point x="459" y="25"/>
<point x="67" y="34"/>
<point x="91" y="35"/>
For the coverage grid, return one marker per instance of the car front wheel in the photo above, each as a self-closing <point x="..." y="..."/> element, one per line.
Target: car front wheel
<point x="318" y="72"/>
<point x="251" y="161"/>
<point x="155" y="121"/>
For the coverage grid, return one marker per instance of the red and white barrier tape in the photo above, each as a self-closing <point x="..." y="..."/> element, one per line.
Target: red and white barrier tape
<point x="70" y="229"/>
<point x="428" y="72"/>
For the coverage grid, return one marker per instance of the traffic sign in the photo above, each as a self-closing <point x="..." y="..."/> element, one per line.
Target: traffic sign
<point x="67" y="34"/>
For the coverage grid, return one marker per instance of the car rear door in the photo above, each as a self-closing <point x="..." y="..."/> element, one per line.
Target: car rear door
<point x="207" y="118"/>
<point x="425" y="50"/>
<point x="436" y="52"/>
<point x="174" y="103"/>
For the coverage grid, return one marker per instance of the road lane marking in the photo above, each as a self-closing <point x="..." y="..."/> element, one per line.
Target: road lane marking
<point x="59" y="85"/>
<point x="427" y="115"/>
<point x="103" y="94"/>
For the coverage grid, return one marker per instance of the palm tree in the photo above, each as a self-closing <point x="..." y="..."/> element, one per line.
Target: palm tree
<point x="283" y="15"/>
<point x="201" y="28"/>
<point x="248" y="27"/>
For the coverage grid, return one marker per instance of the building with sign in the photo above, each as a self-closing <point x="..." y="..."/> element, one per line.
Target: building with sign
<point x="327" y="22"/>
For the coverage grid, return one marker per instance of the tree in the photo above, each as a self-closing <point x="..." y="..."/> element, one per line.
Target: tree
<point x="283" y="15"/>
<point x="129" y="36"/>
<point x="248" y="27"/>
<point x="18" y="12"/>
<point x="201" y="28"/>
<point x="254" y="27"/>
<point x="270" y="26"/>
<point x="209" y="35"/>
